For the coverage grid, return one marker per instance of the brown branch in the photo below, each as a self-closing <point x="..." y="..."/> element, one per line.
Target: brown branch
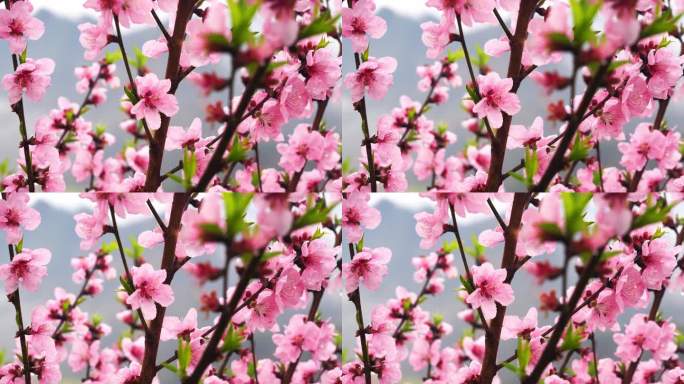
<point x="549" y="353"/>
<point x="355" y="298"/>
<point x="128" y="277"/>
<point x="660" y="115"/>
<point x="216" y="162"/>
<point x="15" y="299"/>
<point x="517" y="44"/>
<point x="556" y="163"/>
<point x="149" y="363"/>
<point x="211" y="352"/>
<point x="493" y="337"/>
<point x="153" y="178"/>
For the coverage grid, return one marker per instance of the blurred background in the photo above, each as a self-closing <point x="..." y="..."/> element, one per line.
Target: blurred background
<point x="56" y="233"/>
<point x="397" y="232"/>
<point x="61" y="43"/>
<point x="403" y="42"/>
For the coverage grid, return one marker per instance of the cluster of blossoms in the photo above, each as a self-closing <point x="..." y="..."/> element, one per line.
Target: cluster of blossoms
<point x="629" y="55"/>
<point x="288" y="70"/>
<point x="283" y="248"/>
<point x="626" y="252"/>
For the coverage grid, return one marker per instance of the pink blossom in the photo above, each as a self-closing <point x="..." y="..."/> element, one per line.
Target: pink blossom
<point x="139" y="159"/>
<point x="179" y="138"/>
<point x="319" y="260"/>
<point x="15" y="214"/>
<point x="323" y="69"/>
<point x="31" y="77"/>
<point x="149" y="289"/>
<point x="471" y="11"/>
<point x="356" y="213"/>
<point x="660" y="259"/>
<point x="514" y="326"/>
<point x="430" y="227"/>
<point x="289" y="289"/>
<point x="300" y="335"/>
<point x="154" y="100"/>
<point x="520" y="136"/>
<point x="369" y="266"/>
<point x="359" y="22"/>
<point x="373" y="76"/>
<point x="90" y="227"/>
<point x="174" y="328"/>
<point x="303" y="145"/>
<point x="665" y="68"/>
<point x="436" y="37"/>
<point x="128" y="11"/>
<point x="640" y="335"/>
<point x="644" y="144"/>
<point x="496" y="98"/>
<point x="17" y="25"/>
<point x="490" y="288"/>
<point x="27" y="268"/>
<point x="93" y="38"/>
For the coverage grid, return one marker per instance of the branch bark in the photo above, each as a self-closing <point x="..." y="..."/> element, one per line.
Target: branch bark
<point x="493" y="337"/>
<point x="149" y="362"/>
<point x="495" y="173"/>
<point x="153" y="179"/>
<point x="549" y="353"/>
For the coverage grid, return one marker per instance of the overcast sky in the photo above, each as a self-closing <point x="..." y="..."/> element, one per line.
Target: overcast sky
<point x="74" y="8"/>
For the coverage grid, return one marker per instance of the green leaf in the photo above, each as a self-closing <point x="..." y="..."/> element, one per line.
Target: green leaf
<point x="482" y="58"/>
<point x="170" y="368"/>
<point x="325" y="23"/>
<point x="126" y="285"/>
<point x="235" y="205"/>
<point x="251" y="369"/>
<point x="450" y="246"/>
<point x="238" y="151"/>
<point x="551" y="231"/>
<point x="580" y="149"/>
<point x="138" y="62"/>
<point x="511" y="367"/>
<point x="136" y="250"/>
<point x="314" y="215"/>
<point x="454" y="56"/>
<point x="20" y="245"/>
<point x="232" y="341"/>
<point x="184" y="356"/>
<point x="241" y="14"/>
<point x="572" y="340"/>
<point x="469" y="288"/>
<point x="477" y="250"/>
<point x="217" y="42"/>
<point x="359" y="245"/>
<point x="583" y="14"/>
<point x="654" y="214"/>
<point x="130" y="95"/>
<point x="665" y="23"/>
<point x="524" y="353"/>
<point x="574" y="205"/>
<point x="113" y="56"/>
<point x="189" y="167"/>
<point x="108" y="248"/>
<point x="560" y="41"/>
<point x="212" y="232"/>
<point x="531" y="166"/>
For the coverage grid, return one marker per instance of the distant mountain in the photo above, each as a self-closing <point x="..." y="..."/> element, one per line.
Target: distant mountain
<point x="56" y="233"/>
<point x="60" y="42"/>
<point x="397" y="232"/>
<point x="403" y="42"/>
